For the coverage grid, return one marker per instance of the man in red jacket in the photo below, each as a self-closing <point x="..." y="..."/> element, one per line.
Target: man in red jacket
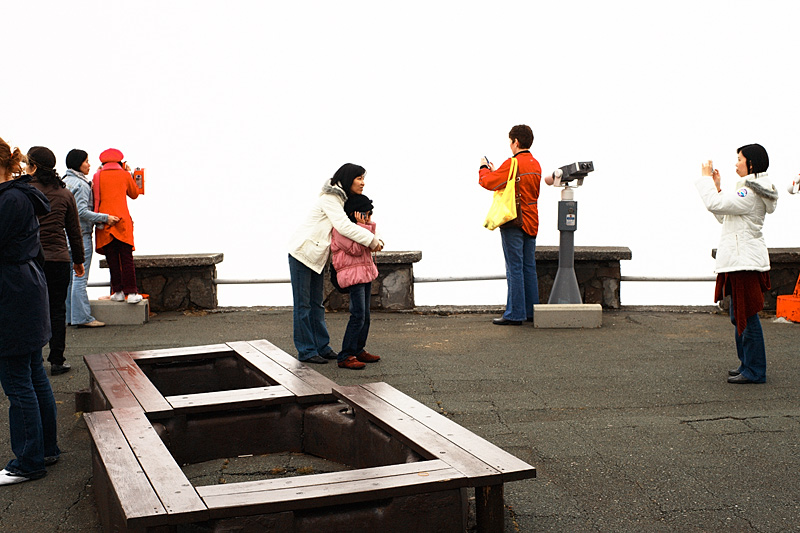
<point x="519" y="241"/>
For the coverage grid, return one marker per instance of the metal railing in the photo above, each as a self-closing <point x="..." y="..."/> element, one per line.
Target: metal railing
<point x="445" y="279"/>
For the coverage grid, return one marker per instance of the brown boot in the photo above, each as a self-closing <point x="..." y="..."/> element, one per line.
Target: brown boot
<point x="366" y="357"/>
<point x="352" y="363"/>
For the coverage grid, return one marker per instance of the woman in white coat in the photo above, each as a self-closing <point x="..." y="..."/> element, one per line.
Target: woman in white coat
<point x="742" y="258"/>
<point x="309" y="249"/>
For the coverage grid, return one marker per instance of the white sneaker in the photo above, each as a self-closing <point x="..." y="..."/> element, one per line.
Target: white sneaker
<point x="134" y="298"/>
<point x="10" y="478"/>
<point x="118" y="296"/>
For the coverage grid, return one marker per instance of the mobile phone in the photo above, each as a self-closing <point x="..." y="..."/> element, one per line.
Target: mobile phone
<point x="487" y="160"/>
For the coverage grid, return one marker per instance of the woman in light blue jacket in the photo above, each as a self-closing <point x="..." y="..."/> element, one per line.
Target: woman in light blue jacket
<point x="79" y="312"/>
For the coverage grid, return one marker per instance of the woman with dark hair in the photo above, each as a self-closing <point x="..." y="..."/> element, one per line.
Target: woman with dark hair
<point x="79" y="312"/>
<point x="24" y="325"/>
<point x="309" y="249"/>
<point x="742" y="265"/>
<point x="63" y="216"/>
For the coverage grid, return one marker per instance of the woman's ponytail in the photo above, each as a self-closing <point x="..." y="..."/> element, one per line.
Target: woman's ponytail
<point x="45" y="162"/>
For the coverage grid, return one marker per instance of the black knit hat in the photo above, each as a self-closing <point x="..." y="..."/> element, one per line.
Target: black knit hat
<point x="357" y="203"/>
<point x="75" y="159"/>
<point x="345" y="176"/>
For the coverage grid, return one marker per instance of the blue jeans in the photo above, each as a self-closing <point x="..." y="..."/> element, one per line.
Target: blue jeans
<point x="78" y="309"/>
<point x="355" y="336"/>
<point x="750" y="349"/>
<point x="519" y="250"/>
<point x="31" y="413"/>
<point x="310" y="332"/>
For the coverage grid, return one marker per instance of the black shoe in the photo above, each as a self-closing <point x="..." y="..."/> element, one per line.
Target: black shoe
<point x="503" y="322"/>
<point x="734" y="372"/>
<point x="739" y="379"/>
<point x="317" y="360"/>
<point x="529" y="319"/>
<point x="331" y="355"/>
<point x="50" y="461"/>
<point x="63" y="368"/>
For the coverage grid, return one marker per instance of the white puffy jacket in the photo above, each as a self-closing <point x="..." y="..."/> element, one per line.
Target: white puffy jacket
<point x="311" y="243"/>
<point x="741" y="246"/>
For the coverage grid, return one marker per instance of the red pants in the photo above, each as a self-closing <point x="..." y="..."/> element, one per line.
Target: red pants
<point x="119" y="256"/>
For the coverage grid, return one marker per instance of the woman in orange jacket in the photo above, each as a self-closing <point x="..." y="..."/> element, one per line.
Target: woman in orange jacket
<point x="111" y="184"/>
<point x="519" y="240"/>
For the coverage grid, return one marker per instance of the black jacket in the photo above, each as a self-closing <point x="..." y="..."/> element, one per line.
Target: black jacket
<point x="24" y="309"/>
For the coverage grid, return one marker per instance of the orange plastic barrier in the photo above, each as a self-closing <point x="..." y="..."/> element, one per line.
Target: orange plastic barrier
<point x="789" y="305"/>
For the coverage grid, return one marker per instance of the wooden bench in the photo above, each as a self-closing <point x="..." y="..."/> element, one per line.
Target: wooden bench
<point x="137" y="483"/>
<point x="484" y="465"/>
<point x="118" y="381"/>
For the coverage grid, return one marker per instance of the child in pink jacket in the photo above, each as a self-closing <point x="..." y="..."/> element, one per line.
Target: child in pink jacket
<point x="355" y="271"/>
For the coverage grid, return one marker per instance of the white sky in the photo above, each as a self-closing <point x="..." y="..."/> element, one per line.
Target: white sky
<point x="240" y="110"/>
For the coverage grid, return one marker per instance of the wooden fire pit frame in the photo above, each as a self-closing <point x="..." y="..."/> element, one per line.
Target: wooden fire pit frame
<point x="140" y="486"/>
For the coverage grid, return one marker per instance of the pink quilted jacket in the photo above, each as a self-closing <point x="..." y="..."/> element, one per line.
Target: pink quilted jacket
<point x="352" y="261"/>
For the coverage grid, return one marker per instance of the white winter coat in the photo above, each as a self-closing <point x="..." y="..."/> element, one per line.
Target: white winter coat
<point x="311" y="243"/>
<point x="741" y="213"/>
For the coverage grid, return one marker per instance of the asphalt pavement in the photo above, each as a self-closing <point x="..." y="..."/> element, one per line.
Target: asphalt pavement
<point x="632" y="427"/>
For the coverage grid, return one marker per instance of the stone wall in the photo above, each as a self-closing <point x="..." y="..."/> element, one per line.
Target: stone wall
<point x="597" y="269"/>
<point x="177" y="282"/>
<point x="394" y="288"/>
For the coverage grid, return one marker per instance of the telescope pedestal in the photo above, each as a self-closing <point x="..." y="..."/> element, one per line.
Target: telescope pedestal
<point x="565" y="307"/>
<point x="565" y="286"/>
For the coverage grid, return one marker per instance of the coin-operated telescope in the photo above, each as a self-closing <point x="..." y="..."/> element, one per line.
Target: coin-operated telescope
<point x="565" y="286"/>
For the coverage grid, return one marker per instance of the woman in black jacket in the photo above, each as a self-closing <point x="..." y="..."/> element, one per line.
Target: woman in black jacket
<point x="24" y="325"/>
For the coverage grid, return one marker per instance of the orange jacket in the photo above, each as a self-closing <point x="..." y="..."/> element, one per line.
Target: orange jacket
<point x="110" y="186"/>
<point x="530" y="177"/>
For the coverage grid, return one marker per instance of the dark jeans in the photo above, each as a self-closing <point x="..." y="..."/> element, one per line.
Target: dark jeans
<point x="119" y="256"/>
<point x="58" y="275"/>
<point x="308" y="315"/>
<point x="750" y="349"/>
<point x="519" y="251"/>
<point x="355" y="336"/>
<point x="31" y="413"/>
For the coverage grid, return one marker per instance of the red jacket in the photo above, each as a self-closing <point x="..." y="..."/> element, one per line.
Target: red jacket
<point x="111" y="185"/>
<point x="529" y="180"/>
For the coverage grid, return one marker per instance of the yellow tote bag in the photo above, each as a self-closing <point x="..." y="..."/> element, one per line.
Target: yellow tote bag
<point x="504" y="206"/>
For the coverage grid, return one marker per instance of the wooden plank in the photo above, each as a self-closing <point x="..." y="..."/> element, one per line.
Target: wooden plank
<point x="279" y="373"/>
<point x="304" y="492"/>
<point x="224" y="400"/>
<point x="512" y="467"/>
<point x="140" y="504"/>
<point x="377" y="472"/>
<point x="98" y="361"/>
<point x="115" y="390"/>
<point x="175" y="491"/>
<point x="299" y="369"/>
<point x="171" y="353"/>
<point x="146" y="393"/>
<point x="415" y="434"/>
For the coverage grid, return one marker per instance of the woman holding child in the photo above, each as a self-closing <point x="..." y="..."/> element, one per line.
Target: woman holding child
<point x="308" y="253"/>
